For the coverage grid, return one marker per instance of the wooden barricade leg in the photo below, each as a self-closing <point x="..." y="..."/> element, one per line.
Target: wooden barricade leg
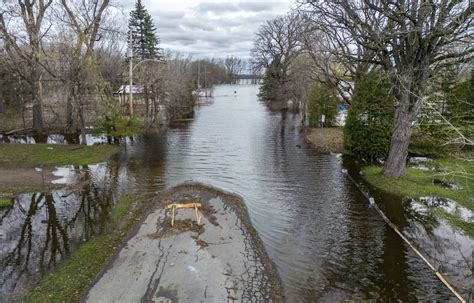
<point x="198" y="215"/>
<point x="172" y="215"/>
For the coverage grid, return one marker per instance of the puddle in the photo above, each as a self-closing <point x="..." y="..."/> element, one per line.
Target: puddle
<point x="449" y="249"/>
<point x="70" y="174"/>
<point x="40" y="229"/>
<point x="418" y="160"/>
<point x="446" y="184"/>
<point x="21" y="139"/>
<point x="424" y="168"/>
<point x="43" y="228"/>
<point x="91" y="139"/>
<point x="423" y="204"/>
<point x="56" y="139"/>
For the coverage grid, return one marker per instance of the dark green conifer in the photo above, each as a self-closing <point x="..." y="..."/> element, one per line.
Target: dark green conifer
<point x="144" y="36"/>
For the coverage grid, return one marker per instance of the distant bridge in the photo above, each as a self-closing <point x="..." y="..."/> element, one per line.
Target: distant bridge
<point x="249" y="76"/>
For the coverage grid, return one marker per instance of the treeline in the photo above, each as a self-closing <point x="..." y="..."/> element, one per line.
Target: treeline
<point x="400" y="68"/>
<point x="66" y="66"/>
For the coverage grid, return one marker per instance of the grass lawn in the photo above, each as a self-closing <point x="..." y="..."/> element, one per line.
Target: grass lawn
<point x="75" y="274"/>
<point x="417" y="183"/>
<point x="28" y="155"/>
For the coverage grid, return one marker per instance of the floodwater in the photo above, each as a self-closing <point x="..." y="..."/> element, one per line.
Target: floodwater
<point x="326" y="242"/>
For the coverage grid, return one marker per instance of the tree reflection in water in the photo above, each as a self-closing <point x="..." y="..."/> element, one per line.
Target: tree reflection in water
<point x="43" y="228"/>
<point x="446" y="247"/>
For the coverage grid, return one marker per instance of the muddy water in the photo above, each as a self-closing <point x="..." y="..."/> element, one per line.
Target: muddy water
<point x="327" y="244"/>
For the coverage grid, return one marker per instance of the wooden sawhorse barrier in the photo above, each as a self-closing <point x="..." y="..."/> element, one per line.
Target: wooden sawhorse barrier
<point x="175" y="206"/>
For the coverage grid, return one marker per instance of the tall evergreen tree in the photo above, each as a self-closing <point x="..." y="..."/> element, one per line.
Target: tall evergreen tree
<point x="144" y="36"/>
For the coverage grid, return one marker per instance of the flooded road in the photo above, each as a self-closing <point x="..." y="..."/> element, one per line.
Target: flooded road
<point x="326" y="242"/>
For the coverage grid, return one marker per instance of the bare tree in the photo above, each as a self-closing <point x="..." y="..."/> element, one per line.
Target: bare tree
<point x="278" y="43"/>
<point x="233" y="67"/>
<point x="410" y="40"/>
<point x="85" y="19"/>
<point x="177" y="86"/>
<point x="22" y="30"/>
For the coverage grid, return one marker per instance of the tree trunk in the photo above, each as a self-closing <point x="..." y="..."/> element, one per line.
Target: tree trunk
<point x="38" y="122"/>
<point x="69" y="113"/>
<point x="147" y="103"/>
<point x="2" y="105"/>
<point x="401" y="135"/>
<point x="83" y="124"/>
<point x="410" y="91"/>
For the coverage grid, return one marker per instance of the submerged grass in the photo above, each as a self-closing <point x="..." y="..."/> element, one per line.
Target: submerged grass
<point x="326" y="139"/>
<point x="28" y="155"/>
<point x="417" y="183"/>
<point x="74" y="275"/>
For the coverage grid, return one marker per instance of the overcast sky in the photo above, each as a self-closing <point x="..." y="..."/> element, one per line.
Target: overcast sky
<point x="211" y="28"/>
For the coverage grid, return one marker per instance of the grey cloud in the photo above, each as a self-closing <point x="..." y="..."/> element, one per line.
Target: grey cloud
<point x="229" y="7"/>
<point x="212" y="29"/>
<point x="167" y="15"/>
<point x="209" y="7"/>
<point x="166" y="25"/>
<point x="198" y="24"/>
<point x="256" y="6"/>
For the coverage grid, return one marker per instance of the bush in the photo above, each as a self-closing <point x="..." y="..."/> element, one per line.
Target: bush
<point x="368" y="127"/>
<point x="453" y="99"/>
<point x="321" y="101"/>
<point x="116" y="125"/>
<point x="272" y="84"/>
<point x="425" y="145"/>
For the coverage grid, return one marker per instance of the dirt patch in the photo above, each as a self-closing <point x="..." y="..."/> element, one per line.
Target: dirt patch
<point x="325" y="140"/>
<point x="17" y="180"/>
<point x="180" y="226"/>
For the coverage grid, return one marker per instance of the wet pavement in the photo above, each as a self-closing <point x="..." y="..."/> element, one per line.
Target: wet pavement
<point x="220" y="260"/>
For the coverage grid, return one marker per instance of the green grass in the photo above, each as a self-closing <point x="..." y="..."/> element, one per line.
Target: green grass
<point x="28" y="155"/>
<point x="5" y="202"/>
<point x="417" y="183"/>
<point x="74" y="275"/>
<point x="11" y="191"/>
<point x="8" y="193"/>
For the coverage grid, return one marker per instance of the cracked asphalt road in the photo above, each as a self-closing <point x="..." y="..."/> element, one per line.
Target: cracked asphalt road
<point x="220" y="261"/>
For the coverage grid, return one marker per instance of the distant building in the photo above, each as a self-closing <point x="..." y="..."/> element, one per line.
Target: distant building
<point x="124" y="94"/>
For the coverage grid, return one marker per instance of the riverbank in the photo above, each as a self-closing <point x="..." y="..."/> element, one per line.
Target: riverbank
<point x="325" y="140"/>
<point x="220" y="260"/>
<point x="30" y="167"/>
<point x="444" y="181"/>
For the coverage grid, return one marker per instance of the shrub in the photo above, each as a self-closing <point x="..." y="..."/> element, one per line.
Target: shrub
<point x="272" y="85"/>
<point x="368" y="127"/>
<point x="114" y="124"/>
<point x="321" y="101"/>
<point x="453" y="99"/>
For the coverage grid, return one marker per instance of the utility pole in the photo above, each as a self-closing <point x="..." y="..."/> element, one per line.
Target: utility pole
<point x="205" y="80"/>
<point x="131" y="75"/>
<point x="199" y="75"/>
